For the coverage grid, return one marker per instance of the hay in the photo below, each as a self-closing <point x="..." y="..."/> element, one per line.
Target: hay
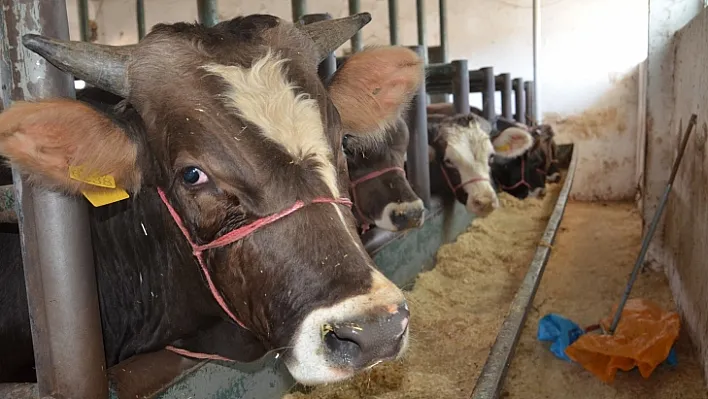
<point x="457" y="308"/>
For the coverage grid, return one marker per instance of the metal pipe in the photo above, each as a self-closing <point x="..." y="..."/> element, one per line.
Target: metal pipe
<point x="506" y="96"/>
<point x="422" y="37"/>
<point x="208" y="12"/>
<point x="84" y="29"/>
<point x="520" y="99"/>
<point x="393" y="21"/>
<point x="530" y="104"/>
<point x="536" y="43"/>
<point x="299" y="9"/>
<point x="417" y="165"/>
<point x="140" y="16"/>
<point x="7" y="205"/>
<point x="652" y="227"/>
<point x="327" y="67"/>
<point x="357" y="45"/>
<point x="443" y="31"/>
<point x="491" y="379"/>
<point x="59" y="271"/>
<point x="460" y="86"/>
<point x="488" y="91"/>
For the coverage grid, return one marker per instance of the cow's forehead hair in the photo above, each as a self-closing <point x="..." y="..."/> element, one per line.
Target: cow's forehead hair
<point x="470" y="143"/>
<point x="264" y="96"/>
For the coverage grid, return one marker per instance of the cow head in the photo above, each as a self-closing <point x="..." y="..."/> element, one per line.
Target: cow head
<point x="522" y="176"/>
<point x="544" y="138"/>
<point x="375" y="158"/>
<point x="461" y="149"/>
<point x="232" y="123"/>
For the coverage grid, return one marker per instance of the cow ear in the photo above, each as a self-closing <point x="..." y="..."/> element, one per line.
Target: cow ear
<point x="512" y="142"/>
<point x="50" y="139"/>
<point x="375" y="86"/>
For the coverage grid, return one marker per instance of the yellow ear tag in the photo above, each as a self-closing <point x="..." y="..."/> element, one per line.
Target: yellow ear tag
<point x="502" y="148"/>
<point x="78" y="173"/>
<point x="104" y="197"/>
<point x="108" y="193"/>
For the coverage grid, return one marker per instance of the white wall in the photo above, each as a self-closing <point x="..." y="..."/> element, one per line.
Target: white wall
<point x="589" y="52"/>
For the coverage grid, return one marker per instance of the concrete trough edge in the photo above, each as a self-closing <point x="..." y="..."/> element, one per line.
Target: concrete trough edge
<point x="491" y="380"/>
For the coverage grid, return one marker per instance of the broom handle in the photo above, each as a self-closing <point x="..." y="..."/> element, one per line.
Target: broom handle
<point x="653" y="225"/>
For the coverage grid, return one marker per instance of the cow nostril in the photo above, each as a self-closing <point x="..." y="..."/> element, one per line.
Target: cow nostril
<point x="371" y="339"/>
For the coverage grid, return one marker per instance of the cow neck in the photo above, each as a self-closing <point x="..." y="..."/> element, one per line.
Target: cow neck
<point x="367" y="222"/>
<point x="229" y="238"/>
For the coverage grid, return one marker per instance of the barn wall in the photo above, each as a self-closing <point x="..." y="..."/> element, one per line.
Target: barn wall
<point x="685" y="229"/>
<point x="666" y="17"/>
<point x="590" y="50"/>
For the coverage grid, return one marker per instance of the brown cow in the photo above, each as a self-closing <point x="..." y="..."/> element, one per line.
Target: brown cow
<point x="381" y="193"/>
<point x="234" y="240"/>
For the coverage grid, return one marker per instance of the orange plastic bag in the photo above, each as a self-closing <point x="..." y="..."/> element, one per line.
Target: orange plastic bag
<point x="644" y="337"/>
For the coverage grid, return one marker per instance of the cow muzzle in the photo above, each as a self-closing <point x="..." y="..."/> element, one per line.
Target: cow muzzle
<point x="402" y="216"/>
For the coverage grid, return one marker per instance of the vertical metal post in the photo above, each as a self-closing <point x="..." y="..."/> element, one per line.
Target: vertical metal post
<point x="530" y="103"/>
<point x="488" y="90"/>
<point x="443" y="32"/>
<point x="299" y="9"/>
<point x="519" y="96"/>
<point x="444" y="48"/>
<point x="506" y="96"/>
<point x="536" y="43"/>
<point x="329" y="65"/>
<point x="393" y="21"/>
<point x="422" y="37"/>
<point x="356" y="39"/>
<point x="84" y="28"/>
<point x="140" y="17"/>
<point x="54" y="231"/>
<point x="461" y="86"/>
<point x="208" y="12"/>
<point x="417" y="165"/>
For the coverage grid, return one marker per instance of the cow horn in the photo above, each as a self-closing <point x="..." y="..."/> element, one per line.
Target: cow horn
<point x="98" y="65"/>
<point x="330" y="34"/>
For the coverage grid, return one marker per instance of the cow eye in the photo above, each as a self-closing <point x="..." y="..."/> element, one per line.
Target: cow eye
<point x="193" y="176"/>
<point x="491" y="159"/>
<point x="448" y="162"/>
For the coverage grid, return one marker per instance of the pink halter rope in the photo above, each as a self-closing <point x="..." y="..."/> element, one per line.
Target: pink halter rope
<point x="366" y="222"/>
<point x="229" y="238"/>
<point x="459" y="186"/>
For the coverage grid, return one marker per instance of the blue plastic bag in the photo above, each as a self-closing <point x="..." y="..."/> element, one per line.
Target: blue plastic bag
<point x="560" y="331"/>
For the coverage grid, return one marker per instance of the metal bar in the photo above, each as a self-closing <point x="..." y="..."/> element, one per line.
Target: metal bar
<point x="652" y="227"/>
<point x="208" y="12"/>
<point x="443" y="31"/>
<point x="491" y="379"/>
<point x="536" y="43"/>
<point x="488" y="93"/>
<point x="140" y="17"/>
<point x="417" y="165"/>
<point x="7" y="205"/>
<point x="329" y="65"/>
<point x="299" y="9"/>
<point x="530" y="104"/>
<point x="520" y="99"/>
<point x="460" y="87"/>
<point x="59" y="273"/>
<point x="506" y="95"/>
<point x="357" y="45"/>
<point x="393" y="21"/>
<point x="422" y="37"/>
<point x="84" y="29"/>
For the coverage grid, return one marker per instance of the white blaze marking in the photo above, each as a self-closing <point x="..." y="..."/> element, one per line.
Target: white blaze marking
<point x="262" y="95"/>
